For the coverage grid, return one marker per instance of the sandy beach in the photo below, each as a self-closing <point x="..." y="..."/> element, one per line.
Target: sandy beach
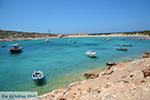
<point x="125" y="81"/>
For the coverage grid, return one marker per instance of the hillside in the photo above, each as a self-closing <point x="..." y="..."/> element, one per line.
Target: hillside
<point x="15" y="35"/>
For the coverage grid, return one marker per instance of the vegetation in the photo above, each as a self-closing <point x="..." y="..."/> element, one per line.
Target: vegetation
<point x="17" y="34"/>
<point x="100" y="33"/>
<point x="145" y="32"/>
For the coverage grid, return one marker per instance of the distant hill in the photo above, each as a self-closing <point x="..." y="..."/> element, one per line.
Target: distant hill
<point x="16" y="34"/>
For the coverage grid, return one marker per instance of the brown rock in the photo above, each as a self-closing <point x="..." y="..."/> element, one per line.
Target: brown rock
<point x="92" y="74"/>
<point x="99" y="90"/>
<point x="146" y="71"/>
<point x="147" y="55"/>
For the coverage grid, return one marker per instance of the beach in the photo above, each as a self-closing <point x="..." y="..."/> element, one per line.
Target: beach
<point x="125" y="81"/>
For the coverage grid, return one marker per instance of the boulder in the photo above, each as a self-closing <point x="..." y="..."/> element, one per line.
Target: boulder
<point x="146" y="71"/>
<point x="92" y="74"/>
<point x="147" y="55"/>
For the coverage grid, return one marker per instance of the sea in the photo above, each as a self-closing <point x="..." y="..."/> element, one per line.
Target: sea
<point x="62" y="62"/>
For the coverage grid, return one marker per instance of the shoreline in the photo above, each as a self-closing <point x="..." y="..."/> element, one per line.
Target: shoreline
<point x="77" y="35"/>
<point x="102" y="80"/>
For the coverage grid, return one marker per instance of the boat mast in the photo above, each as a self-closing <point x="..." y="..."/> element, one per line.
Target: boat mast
<point x="49" y="31"/>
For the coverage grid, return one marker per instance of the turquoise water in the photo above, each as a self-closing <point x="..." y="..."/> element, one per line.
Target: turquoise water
<point x="62" y="62"/>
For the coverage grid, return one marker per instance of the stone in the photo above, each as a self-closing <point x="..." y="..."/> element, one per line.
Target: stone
<point x="102" y="73"/>
<point x="147" y="55"/>
<point x="146" y="71"/>
<point x="131" y="75"/>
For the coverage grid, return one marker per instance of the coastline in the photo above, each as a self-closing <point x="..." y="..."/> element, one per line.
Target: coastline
<point x="126" y="78"/>
<point x="77" y="35"/>
<point x="62" y="93"/>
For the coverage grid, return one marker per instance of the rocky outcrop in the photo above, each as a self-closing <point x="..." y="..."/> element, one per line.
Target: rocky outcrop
<point x="146" y="71"/>
<point x="147" y="55"/>
<point x="92" y="74"/>
<point x="125" y="81"/>
<point x="101" y="73"/>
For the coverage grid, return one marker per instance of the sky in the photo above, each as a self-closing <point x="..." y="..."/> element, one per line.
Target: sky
<point x="75" y="16"/>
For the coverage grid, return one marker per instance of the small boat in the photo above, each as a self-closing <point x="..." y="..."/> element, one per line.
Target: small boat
<point x="121" y="49"/>
<point x="110" y="63"/>
<point x="105" y="40"/>
<point x="91" y="54"/>
<point x="73" y="41"/>
<point x="108" y="39"/>
<point x="126" y="44"/>
<point x="16" y="49"/>
<point x="69" y="40"/>
<point x="37" y="75"/>
<point x="52" y="41"/>
<point x="3" y="45"/>
<point x="47" y="40"/>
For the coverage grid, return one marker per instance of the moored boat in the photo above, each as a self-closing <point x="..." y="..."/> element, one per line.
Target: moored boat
<point x="121" y="49"/>
<point x="37" y="75"/>
<point x="91" y="54"/>
<point x="69" y="40"/>
<point x="16" y="49"/>
<point x="110" y="63"/>
<point x="126" y="44"/>
<point x="3" y="45"/>
<point x="47" y="40"/>
<point x="73" y="41"/>
<point x="105" y="40"/>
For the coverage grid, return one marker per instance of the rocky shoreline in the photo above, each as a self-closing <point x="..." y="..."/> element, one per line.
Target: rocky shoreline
<point x="125" y="81"/>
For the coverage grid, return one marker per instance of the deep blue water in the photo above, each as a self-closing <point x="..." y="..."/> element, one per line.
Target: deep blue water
<point x="62" y="62"/>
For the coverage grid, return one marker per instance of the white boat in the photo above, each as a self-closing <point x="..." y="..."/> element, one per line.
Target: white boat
<point x="37" y="75"/>
<point x="121" y="49"/>
<point x="126" y="44"/>
<point x="47" y="40"/>
<point x="3" y="45"/>
<point x="69" y="40"/>
<point x="105" y="40"/>
<point x="91" y="54"/>
<point x="108" y="38"/>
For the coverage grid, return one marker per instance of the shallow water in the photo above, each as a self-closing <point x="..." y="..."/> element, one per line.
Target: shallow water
<point x="62" y="62"/>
